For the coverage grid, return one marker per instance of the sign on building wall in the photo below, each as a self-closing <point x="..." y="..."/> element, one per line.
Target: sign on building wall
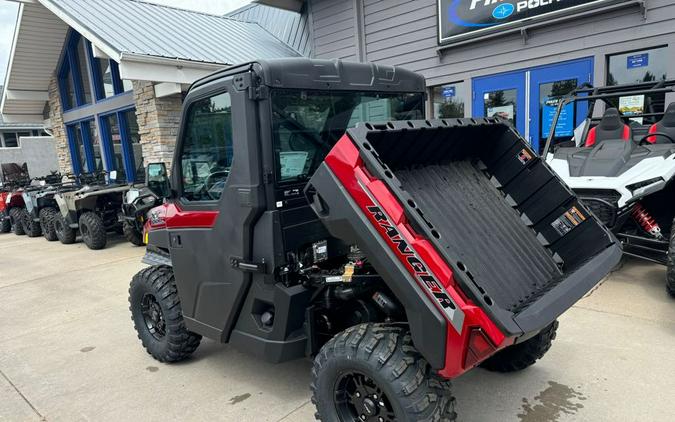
<point x="465" y="19"/>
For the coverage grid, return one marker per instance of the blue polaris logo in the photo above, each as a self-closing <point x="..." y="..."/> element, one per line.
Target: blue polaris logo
<point x="503" y="11"/>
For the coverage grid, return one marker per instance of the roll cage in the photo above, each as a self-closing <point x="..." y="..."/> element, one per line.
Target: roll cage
<point x="606" y="95"/>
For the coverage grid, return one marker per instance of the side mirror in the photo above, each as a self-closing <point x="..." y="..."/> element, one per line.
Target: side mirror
<point x="157" y="179"/>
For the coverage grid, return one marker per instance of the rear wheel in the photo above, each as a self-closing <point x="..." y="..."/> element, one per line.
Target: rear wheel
<point x="30" y="226"/>
<point x="132" y="235"/>
<point x="93" y="231"/>
<point x="5" y="224"/>
<point x="372" y="372"/>
<point x="16" y="221"/>
<point x="158" y="316"/>
<point x="522" y="355"/>
<point x="47" y="216"/>
<point x="63" y="231"/>
<point x="670" y="269"/>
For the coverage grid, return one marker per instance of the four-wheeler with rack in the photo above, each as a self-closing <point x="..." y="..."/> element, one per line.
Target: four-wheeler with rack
<point x="14" y="178"/>
<point x="91" y="209"/>
<point x="398" y="255"/>
<point x="622" y="165"/>
<point x="137" y="201"/>
<point x="40" y="206"/>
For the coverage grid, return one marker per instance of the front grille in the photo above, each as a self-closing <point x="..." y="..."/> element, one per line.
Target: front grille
<point x="603" y="203"/>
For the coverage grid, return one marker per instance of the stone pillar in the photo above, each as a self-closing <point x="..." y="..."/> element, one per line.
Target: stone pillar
<point x="158" y="122"/>
<point x="58" y="128"/>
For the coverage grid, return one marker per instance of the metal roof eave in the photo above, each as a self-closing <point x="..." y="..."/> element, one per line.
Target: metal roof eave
<point x="86" y="32"/>
<point x="162" y="69"/>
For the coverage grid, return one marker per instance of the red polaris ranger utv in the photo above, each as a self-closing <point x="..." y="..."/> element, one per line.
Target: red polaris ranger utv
<point x="399" y="255"/>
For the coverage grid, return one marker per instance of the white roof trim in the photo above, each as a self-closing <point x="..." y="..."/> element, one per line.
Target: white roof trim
<point x="160" y="69"/>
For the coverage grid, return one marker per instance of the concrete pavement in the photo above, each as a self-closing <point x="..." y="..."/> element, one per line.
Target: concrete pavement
<point x="68" y="352"/>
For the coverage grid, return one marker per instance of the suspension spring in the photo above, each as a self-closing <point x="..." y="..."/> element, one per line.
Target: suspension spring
<point x="646" y="221"/>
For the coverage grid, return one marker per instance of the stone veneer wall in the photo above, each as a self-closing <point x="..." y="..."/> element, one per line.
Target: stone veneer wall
<point x="158" y="122"/>
<point x="58" y="129"/>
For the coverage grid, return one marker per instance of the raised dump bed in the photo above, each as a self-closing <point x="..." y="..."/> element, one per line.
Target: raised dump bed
<point x="516" y="239"/>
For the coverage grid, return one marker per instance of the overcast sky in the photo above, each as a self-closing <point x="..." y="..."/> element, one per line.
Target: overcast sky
<point x="8" y="12"/>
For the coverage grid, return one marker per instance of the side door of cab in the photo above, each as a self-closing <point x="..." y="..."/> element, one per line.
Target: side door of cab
<point x="216" y="178"/>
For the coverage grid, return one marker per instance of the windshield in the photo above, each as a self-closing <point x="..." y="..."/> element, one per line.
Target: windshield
<point x="306" y="124"/>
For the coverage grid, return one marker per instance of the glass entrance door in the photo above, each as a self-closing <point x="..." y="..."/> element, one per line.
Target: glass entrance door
<point x="501" y="95"/>
<point x="529" y="98"/>
<point x="548" y="85"/>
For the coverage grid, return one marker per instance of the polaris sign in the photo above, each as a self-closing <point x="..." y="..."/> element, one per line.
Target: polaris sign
<point x="465" y="19"/>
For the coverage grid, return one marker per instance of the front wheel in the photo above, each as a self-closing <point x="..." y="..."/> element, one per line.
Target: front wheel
<point x="670" y="269"/>
<point x="522" y="355"/>
<point x="5" y="223"/>
<point x="372" y="372"/>
<point x="63" y="231"/>
<point x="15" y="218"/>
<point x="132" y="235"/>
<point x="93" y="231"/>
<point x="47" y="216"/>
<point x="30" y="226"/>
<point x="158" y="317"/>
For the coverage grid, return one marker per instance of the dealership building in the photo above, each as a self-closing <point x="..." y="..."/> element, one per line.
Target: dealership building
<point x="505" y="57"/>
<point x="108" y="77"/>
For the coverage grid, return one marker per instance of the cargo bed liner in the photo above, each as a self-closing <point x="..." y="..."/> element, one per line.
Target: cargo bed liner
<point x="498" y="249"/>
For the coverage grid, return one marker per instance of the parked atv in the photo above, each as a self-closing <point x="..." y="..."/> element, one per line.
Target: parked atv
<point x="5" y="223"/>
<point x="622" y="166"/>
<point x="138" y="201"/>
<point x="14" y="179"/>
<point x="41" y="207"/>
<point x="399" y="255"/>
<point x="92" y="210"/>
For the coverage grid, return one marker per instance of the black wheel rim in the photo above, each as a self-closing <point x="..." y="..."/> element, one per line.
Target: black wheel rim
<point x="359" y="398"/>
<point x="153" y="316"/>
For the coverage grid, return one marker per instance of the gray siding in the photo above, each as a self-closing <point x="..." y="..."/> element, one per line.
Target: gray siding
<point x="38" y="152"/>
<point x="333" y="27"/>
<point x="404" y="33"/>
<point x="290" y="27"/>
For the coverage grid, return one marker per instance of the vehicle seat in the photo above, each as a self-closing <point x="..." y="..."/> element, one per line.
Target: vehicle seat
<point x="610" y="127"/>
<point x="665" y="125"/>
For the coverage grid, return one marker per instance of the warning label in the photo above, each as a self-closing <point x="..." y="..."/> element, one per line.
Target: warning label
<point x="524" y="156"/>
<point x="568" y="221"/>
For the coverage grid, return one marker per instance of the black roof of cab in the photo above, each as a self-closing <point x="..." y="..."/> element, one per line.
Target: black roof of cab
<point x="304" y="73"/>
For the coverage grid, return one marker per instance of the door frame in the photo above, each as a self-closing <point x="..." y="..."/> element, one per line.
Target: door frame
<point x="529" y="101"/>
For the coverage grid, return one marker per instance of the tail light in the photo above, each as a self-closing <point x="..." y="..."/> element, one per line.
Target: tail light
<point x="480" y="348"/>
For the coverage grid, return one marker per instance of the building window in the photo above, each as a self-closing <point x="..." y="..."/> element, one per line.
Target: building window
<point x="638" y="66"/>
<point x="80" y="138"/>
<point x="107" y="79"/>
<point x="11" y="139"/>
<point x="81" y="58"/>
<point x="121" y="142"/>
<point x="649" y="65"/>
<point x="73" y="73"/>
<point x="449" y="100"/>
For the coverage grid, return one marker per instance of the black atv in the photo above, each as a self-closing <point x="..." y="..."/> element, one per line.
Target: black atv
<point x="140" y="199"/>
